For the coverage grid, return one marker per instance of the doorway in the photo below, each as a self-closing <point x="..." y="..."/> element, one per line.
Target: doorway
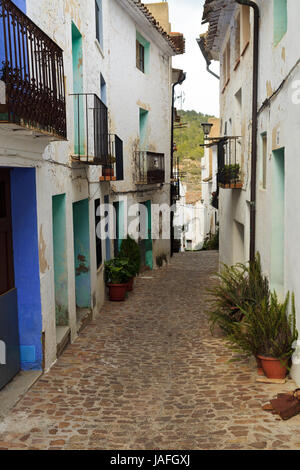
<point x="9" y="329"/>
<point x="278" y="217"/>
<point x="82" y="262"/>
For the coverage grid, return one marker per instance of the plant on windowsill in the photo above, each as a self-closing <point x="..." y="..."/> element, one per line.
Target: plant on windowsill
<point x="130" y="250"/>
<point x="117" y="275"/>
<point x="108" y="170"/>
<point x="269" y="333"/>
<point x="229" y="174"/>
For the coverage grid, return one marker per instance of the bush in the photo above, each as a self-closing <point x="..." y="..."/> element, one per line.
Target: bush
<point x="130" y="250"/>
<point x="267" y="329"/>
<point x="240" y="286"/>
<point x="211" y="242"/>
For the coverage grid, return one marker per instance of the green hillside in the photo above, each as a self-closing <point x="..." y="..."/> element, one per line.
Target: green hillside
<point x="188" y="139"/>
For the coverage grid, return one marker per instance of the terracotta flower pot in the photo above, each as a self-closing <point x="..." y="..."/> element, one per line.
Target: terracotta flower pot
<point x="117" y="292"/>
<point x="130" y="285"/>
<point x="260" y="370"/>
<point x="274" y="368"/>
<point x="108" y="172"/>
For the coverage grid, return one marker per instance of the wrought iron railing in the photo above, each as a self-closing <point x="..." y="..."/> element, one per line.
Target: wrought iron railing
<point x="229" y="162"/>
<point x="150" y="167"/>
<point x="113" y="170"/>
<point x="32" y="70"/>
<point x="91" y="138"/>
<point x="175" y="188"/>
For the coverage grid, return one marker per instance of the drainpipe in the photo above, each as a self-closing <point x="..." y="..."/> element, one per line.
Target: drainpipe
<point x="200" y="42"/>
<point x="254" y="124"/>
<point x="180" y="81"/>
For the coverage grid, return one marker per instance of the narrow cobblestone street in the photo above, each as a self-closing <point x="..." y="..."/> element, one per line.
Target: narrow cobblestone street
<point x="148" y="375"/>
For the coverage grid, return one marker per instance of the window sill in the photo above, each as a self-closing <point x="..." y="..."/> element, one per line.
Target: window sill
<point x="99" y="48"/>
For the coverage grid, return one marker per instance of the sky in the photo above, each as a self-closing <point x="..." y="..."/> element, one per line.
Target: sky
<point x="200" y="90"/>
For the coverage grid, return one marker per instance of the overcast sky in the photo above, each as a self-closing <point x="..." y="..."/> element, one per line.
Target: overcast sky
<point x="201" y="90"/>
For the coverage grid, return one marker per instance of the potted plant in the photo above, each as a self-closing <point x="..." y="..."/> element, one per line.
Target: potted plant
<point x="278" y="333"/>
<point x="268" y="332"/>
<point x="108" y="170"/>
<point x="117" y="275"/>
<point x="130" y="250"/>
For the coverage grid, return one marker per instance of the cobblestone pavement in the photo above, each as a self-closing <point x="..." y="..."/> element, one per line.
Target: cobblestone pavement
<point x="147" y="374"/>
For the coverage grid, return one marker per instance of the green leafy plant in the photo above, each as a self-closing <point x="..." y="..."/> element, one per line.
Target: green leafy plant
<point x="240" y="286"/>
<point x="267" y="329"/>
<point x="211" y="242"/>
<point x="130" y="250"/>
<point x="229" y="173"/>
<point x="118" y="271"/>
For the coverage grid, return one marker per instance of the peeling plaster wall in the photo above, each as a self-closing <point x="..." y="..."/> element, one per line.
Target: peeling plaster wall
<point x="280" y="120"/>
<point x="130" y="91"/>
<point x="127" y="90"/>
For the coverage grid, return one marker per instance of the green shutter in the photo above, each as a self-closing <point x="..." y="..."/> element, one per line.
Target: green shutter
<point x="280" y="20"/>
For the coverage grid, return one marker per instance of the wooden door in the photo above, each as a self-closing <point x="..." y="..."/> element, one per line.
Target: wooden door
<point x="6" y="248"/>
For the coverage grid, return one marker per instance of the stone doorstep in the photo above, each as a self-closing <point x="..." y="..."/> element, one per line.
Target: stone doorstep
<point x="84" y="317"/>
<point x="63" y="338"/>
<point x="15" y="390"/>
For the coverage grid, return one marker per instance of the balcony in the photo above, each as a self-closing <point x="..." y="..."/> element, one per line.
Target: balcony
<point x="93" y="145"/>
<point x="229" y="163"/>
<point x="32" y="91"/>
<point x="150" y="167"/>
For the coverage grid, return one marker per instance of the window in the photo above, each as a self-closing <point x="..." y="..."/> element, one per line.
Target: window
<point x="99" y="25"/>
<point x="245" y="27"/>
<point x="280" y="20"/>
<point x="142" y="53"/>
<point x="140" y="57"/>
<point x="98" y="240"/>
<point x="264" y="161"/>
<point x="226" y="64"/>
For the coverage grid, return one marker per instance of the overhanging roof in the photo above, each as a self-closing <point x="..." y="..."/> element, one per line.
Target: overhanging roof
<point x="175" y="41"/>
<point x="218" y="15"/>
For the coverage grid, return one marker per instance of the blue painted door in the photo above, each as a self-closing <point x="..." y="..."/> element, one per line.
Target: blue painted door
<point x="148" y="241"/>
<point x="9" y="330"/>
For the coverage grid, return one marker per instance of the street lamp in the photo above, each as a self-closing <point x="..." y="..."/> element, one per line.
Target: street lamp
<point x="206" y="126"/>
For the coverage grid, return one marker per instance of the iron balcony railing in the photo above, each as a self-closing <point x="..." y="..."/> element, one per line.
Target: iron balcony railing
<point x="32" y="74"/>
<point x="150" y="167"/>
<point x="175" y="188"/>
<point x="229" y="162"/>
<point x="113" y="169"/>
<point x="93" y="144"/>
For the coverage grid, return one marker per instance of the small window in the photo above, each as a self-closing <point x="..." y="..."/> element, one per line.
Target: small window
<point x="245" y="27"/>
<point x="142" y="53"/>
<point x="280" y="20"/>
<point x="140" y="57"/>
<point x="98" y="240"/>
<point x="237" y="39"/>
<point x="99" y="25"/>
<point x="264" y="161"/>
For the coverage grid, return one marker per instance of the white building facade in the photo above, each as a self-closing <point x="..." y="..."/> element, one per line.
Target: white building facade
<point x="278" y="124"/>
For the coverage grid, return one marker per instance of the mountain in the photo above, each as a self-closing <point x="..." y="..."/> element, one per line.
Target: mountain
<point x="188" y="136"/>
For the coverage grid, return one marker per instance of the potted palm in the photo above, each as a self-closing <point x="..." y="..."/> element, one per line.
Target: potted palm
<point x="117" y="275"/>
<point x="268" y="332"/>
